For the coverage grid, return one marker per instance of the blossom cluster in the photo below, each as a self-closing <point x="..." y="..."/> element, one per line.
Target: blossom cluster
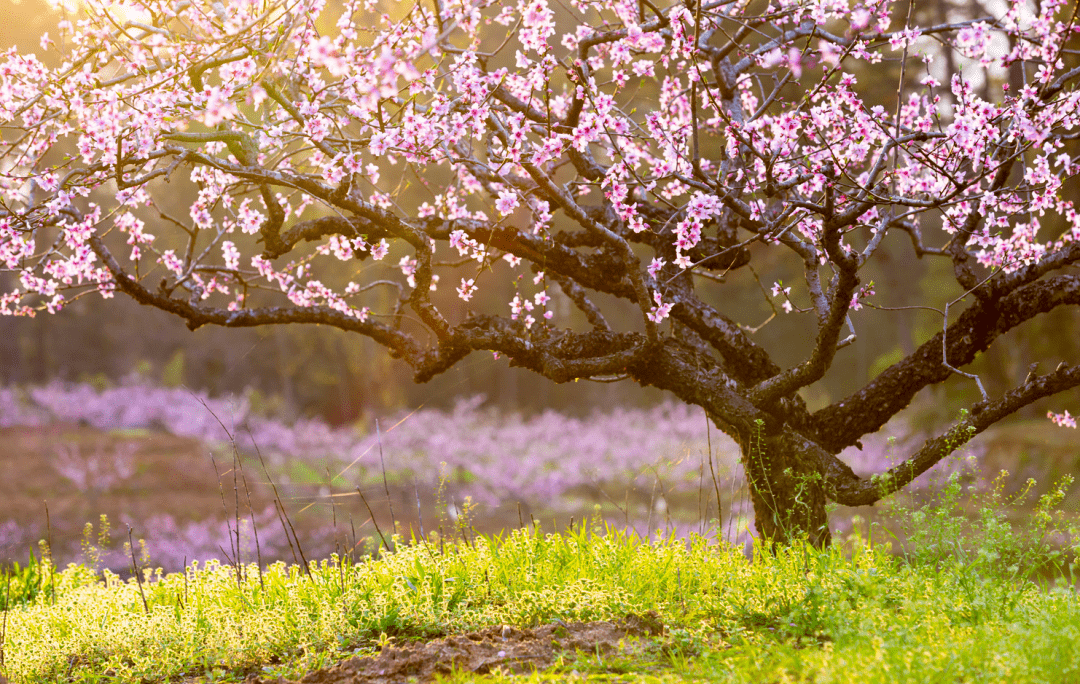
<point x="258" y="86"/>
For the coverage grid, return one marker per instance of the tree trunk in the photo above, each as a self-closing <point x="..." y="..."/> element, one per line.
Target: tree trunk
<point x="788" y="494"/>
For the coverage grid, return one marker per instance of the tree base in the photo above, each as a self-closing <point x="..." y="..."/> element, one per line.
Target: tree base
<point x="788" y="493"/>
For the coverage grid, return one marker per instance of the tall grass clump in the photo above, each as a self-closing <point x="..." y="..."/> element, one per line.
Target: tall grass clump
<point x="975" y="525"/>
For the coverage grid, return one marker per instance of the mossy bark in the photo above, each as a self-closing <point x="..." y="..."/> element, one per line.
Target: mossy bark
<point x="787" y="492"/>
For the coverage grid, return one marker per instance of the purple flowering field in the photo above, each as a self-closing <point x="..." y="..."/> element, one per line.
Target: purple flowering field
<point x="143" y="452"/>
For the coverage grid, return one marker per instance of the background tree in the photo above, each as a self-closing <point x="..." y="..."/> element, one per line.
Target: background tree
<point x="627" y="158"/>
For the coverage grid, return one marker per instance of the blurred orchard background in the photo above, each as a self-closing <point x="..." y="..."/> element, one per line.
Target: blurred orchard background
<point x="115" y="409"/>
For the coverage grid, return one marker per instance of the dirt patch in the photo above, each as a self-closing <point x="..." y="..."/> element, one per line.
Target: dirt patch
<point x="509" y="649"/>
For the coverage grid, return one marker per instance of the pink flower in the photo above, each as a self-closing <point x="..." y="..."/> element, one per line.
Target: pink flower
<point x="172" y="262"/>
<point x="379" y="251"/>
<point x="460" y="241"/>
<point x="323" y="53"/>
<point x="466" y="289"/>
<point x="655" y="267"/>
<point x="661" y="310"/>
<point x="507" y="202"/>
<point x="231" y="254"/>
<point x="1062" y="419"/>
<point x="218" y="108"/>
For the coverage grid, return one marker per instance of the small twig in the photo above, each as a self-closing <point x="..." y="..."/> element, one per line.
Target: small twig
<point x="254" y="525"/>
<point x="298" y="546"/>
<point x="352" y="549"/>
<point x="373" y="520"/>
<point x="419" y="512"/>
<point x="386" y="487"/>
<point x="945" y="355"/>
<point x="700" y="478"/>
<point x="7" y="607"/>
<point x="285" y="529"/>
<point x="138" y="572"/>
<point x="463" y="524"/>
<point x="278" y="504"/>
<point x="664" y="497"/>
<point x="233" y="557"/>
<point x="236" y="513"/>
<point x="624" y="511"/>
<point x="333" y="506"/>
<point x="48" y="548"/>
<point x="716" y="483"/>
<point x="279" y="507"/>
<point x="652" y="504"/>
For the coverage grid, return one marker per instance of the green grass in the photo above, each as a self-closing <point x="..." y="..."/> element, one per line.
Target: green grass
<point x="852" y="613"/>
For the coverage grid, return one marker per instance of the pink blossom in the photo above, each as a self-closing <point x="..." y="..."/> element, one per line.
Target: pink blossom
<point x="661" y="311"/>
<point x="170" y="261"/>
<point x="231" y="254"/>
<point x="380" y="250"/>
<point x="1062" y="419"/>
<point x="218" y="107"/>
<point x="655" y="266"/>
<point x="507" y="202"/>
<point x="466" y="289"/>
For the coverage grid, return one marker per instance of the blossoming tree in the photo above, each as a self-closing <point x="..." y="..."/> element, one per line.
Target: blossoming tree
<point x="635" y="150"/>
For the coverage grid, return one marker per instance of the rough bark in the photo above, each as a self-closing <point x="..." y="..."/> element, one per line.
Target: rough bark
<point x="786" y="488"/>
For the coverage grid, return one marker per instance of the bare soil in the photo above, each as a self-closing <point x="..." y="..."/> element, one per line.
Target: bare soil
<point x="506" y="649"/>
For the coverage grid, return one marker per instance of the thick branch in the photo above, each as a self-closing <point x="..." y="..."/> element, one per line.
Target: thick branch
<point x="814" y="368"/>
<point x="560" y="356"/>
<point x="862" y="492"/>
<point x="748" y="361"/>
<point x="196" y="316"/>
<point x="840" y="425"/>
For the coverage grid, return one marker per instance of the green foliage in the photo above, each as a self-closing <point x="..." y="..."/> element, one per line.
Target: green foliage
<point x="22" y="584"/>
<point x="979" y="592"/>
<point x="98" y="381"/>
<point x="987" y="532"/>
<point x="851" y="613"/>
<point x="172" y="375"/>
